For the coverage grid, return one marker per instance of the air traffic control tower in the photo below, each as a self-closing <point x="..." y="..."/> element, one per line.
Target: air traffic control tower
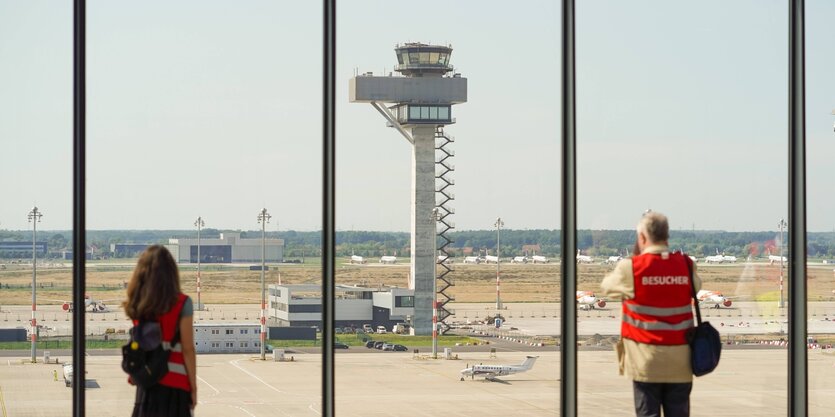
<point x="418" y="104"/>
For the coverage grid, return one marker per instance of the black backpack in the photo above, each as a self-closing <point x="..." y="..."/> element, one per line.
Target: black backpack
<point x="144" y="357"/>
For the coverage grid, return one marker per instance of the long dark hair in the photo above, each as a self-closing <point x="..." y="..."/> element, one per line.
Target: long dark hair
<point x="154" y="286"/>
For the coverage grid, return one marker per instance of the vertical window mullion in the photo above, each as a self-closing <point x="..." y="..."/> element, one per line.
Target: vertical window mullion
<point x="328" y="202"/>
<point x="79" y="195"/>
<point x="568" y="223"/>
<point x="798" y="366"/>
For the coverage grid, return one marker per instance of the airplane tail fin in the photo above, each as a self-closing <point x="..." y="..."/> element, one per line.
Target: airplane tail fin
<point x="529" y="361"/>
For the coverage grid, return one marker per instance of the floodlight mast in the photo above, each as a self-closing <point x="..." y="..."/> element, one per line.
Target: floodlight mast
<point x="498" y="225"/>
<point x="263" y="218"/>
<point x="34" y="217"/>
<point x="199" y="223"/>
<point x="422" y="99"/>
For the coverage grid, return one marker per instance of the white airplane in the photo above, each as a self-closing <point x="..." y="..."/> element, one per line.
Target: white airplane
<point x="776" y="258"/>
<point x="356" y="259"/>
<point x="388" y="259"/>
<point x="490" y="259"/>
<point x="613" y="259"/>
<point x="472" y="260"/>
<point x="716" y="298"/>
<point x="728" y="258"/>
<point x="715" y="259"/>
<point x="519" y="260"/>
<point x="90" y="304"/>
<point x="490" y="372"/>
<point x="539" y="259"/>
<point x="584" y="259"/>
<point x="586" y="300"/>
<point x="444" y="259"/>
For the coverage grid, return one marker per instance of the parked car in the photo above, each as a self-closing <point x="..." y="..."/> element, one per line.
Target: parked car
<point x="388" y="347"/>
<point x="369" y="344"/>
<point x="381" y="330"/>
<point x="337" y="330"/>
<point x="379" y="344"/>
<point x="367" y="328"/>
<point x="339" y="345"/>
<point x="400" y="348"/>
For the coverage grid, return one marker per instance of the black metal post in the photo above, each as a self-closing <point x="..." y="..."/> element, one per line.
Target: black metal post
<point x="328" y="202"/>
<point x="568" y="224"/>
<point x="798" y="367"/>
<point x="79" y="231"/>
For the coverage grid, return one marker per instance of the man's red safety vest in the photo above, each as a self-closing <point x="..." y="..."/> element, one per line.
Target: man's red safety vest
<point x="661" y="311"/>
<point x="177" y="377"/>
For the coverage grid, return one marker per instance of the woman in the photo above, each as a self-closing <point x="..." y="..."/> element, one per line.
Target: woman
<point x="154" y="294"/>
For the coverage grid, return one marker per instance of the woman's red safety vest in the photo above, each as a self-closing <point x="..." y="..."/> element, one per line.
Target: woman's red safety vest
<point x="661" y="311"/>
<point x="177" y="377"/>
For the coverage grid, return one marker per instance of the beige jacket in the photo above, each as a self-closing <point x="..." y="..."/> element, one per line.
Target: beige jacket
<point x="640" y="361"/>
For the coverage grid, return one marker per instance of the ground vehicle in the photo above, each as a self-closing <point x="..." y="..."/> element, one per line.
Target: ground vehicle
<point x="400" y="348"/>
<point x="388" y="347"/>
<point x="68" y="374"/>
<point x="367" y="328"/>
<point x="369" y="344"/>
<point x="381" y="330"/>
<point x="339" y="345"/>
<point x="379" y="344"/>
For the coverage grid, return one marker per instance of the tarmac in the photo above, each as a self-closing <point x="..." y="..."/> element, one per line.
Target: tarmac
<point x="748" y="382"/>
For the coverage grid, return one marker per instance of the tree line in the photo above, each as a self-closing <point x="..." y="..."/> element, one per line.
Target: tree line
<point x="513" y="242"/>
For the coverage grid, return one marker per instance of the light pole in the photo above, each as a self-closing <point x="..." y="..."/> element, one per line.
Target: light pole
<point x="35" y="218"/>
<point x="263" y="218"/>
<point x="781" y="225"/>
<point x="199" y="223"/>
<point x="498" y="224"/>
<point x="435" y="217"/>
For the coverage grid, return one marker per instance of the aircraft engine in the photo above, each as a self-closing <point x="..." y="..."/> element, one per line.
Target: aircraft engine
<point x="727" y="303"/>
<point x="100" y="307"/>
<point x="601" y="303"/>
<point x="66" y="307"/>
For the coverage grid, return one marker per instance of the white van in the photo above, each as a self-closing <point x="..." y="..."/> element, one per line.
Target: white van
<point x="381" y="330"/>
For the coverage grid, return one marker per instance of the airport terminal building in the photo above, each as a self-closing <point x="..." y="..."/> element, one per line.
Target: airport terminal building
<point x="301" y="305"/>
<point x="229" y="248"/>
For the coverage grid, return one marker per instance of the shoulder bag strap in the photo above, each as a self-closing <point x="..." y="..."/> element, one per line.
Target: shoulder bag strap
<point x="693" y="289"/>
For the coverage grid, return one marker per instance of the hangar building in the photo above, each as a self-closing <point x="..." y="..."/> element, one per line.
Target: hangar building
<point x="229" y="248"/>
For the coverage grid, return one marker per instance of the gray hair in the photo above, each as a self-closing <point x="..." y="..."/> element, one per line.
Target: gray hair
<point x="655" y="226"/>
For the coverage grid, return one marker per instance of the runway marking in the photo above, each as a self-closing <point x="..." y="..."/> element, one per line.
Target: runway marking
<point x="210" y="385"/>
<point x="235" y="364"/>
<point x="244" y="410"/>
<point x="314" y="410"/>
<point x="2" y="403"/>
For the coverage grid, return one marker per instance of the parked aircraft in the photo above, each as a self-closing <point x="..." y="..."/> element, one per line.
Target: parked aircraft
<point x="715" y="259"/>
<point x="490" y="259"/>
<point x="472" y="259"/>
<point x="519" y="260"/>
<point x="776" y="258"/>
<point x="90" y="304"/>
<point x="490" y="372"/>
<point x="356" y="259"/>
<point x="539" y="259"/>
<point x="388" y="259"/>
<point x="716" y="298"/>
<point x="584" y="259"/>
<point x="586" y="300"/>
<point x="444" y="259"/>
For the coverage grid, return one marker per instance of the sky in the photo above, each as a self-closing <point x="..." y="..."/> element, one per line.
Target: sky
<point x="213" y="109"/>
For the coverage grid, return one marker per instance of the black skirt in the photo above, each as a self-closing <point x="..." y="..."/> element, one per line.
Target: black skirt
<point x="162" y="401"/>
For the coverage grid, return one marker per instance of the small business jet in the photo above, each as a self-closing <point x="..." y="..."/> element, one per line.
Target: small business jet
<point x="90" y="304"/>
<point x="586" y="300"/>
<point x="356" y="259"/>
<point x="539" y="259"/>
<point x="490" y="372"/>
<point x="584" y="259"/>
<point x="716" y="298"/>
<point x="472" y="259"/>
<point x="490" y="259"/>
<point x="388" y="260"/>
<point x="519" y="260"/>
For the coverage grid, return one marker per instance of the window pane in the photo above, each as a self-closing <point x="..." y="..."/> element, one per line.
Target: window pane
<point x="210" y="105"/>
<point x="690" y="126"/>
<point x="387" y="239"/>
<point x="820" y="115"/>
<point x="36" y="173"/>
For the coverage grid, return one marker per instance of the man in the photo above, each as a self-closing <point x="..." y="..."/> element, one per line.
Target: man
<point x="657" y="312"/>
